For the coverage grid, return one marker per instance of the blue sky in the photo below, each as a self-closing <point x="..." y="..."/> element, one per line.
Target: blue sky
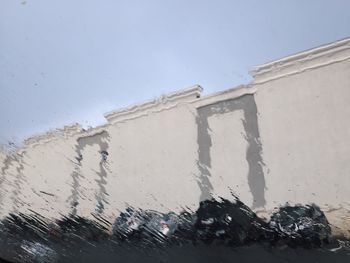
<point x="71" y="61"/>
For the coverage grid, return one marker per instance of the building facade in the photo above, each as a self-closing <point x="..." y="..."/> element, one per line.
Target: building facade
<point x="282" y="138"/>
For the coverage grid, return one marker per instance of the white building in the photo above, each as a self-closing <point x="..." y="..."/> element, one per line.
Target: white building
<point x="282" y="138"/>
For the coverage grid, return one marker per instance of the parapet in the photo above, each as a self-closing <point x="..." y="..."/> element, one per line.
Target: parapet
<point x="66" y="132"/>
<point x="313" y="58"/>
<point x="162" y="103"/>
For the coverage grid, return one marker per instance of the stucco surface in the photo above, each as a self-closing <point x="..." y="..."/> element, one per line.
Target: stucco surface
<point x="305" y="137"/>
<point x="229" y="168"/>
<point x="283" y="138"/>
<point x="153" y="159"/>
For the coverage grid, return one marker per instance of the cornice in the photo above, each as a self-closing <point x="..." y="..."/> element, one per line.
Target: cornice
<point x="65" y="132"/>
<point x="314" y="58"/>
<point x="159" y="104"/>
<point x="229" y="94"/>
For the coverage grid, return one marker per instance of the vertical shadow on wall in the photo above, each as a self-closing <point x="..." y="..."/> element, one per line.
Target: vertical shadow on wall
<point x="101" y="196"/>
<point x="256" y="180"/>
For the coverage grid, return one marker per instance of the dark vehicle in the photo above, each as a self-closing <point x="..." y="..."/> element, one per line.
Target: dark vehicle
<point x="230" y="222"/>
<point x="300" y="225"/>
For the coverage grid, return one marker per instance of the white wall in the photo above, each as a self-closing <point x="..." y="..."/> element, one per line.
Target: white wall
<point x="304" y="128"/>
<point x="284" y="138"/>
